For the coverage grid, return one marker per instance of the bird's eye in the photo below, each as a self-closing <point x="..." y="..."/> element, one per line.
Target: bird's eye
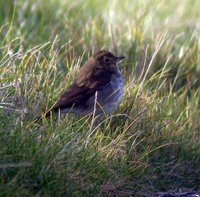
<point x="106" y="60"/>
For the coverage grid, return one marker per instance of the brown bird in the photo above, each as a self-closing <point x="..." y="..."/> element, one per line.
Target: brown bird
<point x="98" y="87"/>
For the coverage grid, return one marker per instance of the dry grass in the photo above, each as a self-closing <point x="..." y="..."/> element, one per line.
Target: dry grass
<point x="151" y="142"/>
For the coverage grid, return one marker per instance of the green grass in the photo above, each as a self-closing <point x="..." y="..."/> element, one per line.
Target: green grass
<point x="149" y="144"/>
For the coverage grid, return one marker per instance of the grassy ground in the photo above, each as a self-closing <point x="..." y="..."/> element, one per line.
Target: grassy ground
<point x="151" y="143"/>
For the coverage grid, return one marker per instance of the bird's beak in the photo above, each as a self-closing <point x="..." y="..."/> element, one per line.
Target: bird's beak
<point x="119" y="59"/>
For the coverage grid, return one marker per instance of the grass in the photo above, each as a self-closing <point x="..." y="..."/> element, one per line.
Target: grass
<point x="149" y="144"/>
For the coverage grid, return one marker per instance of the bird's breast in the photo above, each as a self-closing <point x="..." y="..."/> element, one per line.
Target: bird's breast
<point x="111" y="95"/>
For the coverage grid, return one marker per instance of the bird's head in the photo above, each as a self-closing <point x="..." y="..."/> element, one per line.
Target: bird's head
<point x="106" y="60"/>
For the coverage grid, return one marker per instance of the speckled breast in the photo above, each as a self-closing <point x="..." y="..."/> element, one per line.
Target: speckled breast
<point x="109" y="97"/>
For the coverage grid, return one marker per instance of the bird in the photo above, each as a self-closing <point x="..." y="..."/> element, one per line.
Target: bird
<point x="98" y="87"/>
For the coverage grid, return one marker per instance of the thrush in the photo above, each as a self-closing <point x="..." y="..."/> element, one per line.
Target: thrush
<point x="98" y="87"/>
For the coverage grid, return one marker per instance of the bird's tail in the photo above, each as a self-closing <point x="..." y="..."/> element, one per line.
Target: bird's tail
<point x="45" y="115"/>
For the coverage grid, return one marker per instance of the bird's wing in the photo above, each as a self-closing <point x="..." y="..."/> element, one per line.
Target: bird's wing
<point x="80" y="91"/>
